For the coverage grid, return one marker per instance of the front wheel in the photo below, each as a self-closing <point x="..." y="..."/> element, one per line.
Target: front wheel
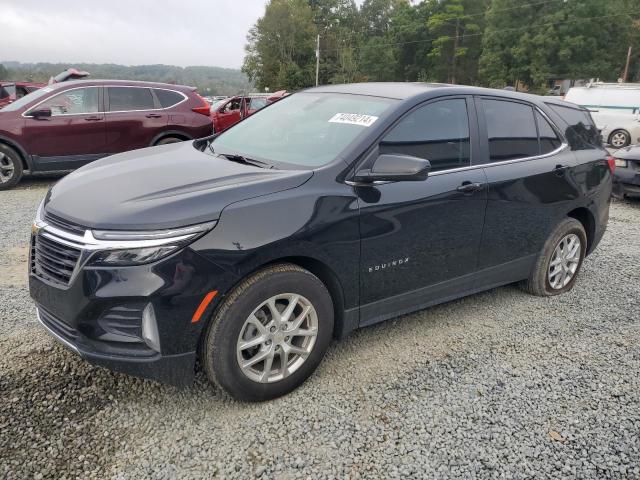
<point x="619" y="138"/>
<point x="269" y="334"/>
<point x="559" y="263"/>
<point x="10" y="167"/>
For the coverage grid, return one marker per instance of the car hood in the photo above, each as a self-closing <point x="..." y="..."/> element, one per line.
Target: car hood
<point x="168" y="186"/>
<point x="628" y="153"/>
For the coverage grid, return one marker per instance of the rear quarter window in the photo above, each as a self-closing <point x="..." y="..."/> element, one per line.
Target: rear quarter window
<point x="580" y="131"/>
<point x="168" y="98"/>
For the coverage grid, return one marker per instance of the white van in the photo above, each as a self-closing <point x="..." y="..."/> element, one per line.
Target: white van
<point x="615" y="108"/>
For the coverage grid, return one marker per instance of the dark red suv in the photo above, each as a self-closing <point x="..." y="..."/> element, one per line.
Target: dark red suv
<point x="64" y="126"/>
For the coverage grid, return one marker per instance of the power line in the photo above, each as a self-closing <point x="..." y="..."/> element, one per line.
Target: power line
<point x="480" y="14"/>
<point x="452" y="37"/>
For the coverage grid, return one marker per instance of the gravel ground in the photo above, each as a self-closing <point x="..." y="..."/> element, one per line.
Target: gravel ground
<point x="497" y="385"/>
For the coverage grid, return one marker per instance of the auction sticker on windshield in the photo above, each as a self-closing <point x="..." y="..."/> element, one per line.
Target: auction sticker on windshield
<point x="353" y="119"/>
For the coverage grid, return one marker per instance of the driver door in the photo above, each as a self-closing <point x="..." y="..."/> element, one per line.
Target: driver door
<point x="420" y="239"/>
<point x="73" y="135"/>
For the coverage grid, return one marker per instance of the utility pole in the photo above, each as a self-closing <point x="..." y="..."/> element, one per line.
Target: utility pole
<point x="626" y="67"/>
<point x="317" y="58"/>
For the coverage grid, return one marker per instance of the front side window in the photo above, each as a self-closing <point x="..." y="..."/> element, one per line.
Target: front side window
<point x="231" y="106"/>
<point x="438" y="132"/>
<point x="125" y="99"/>
<point x="73" y="102"/>
<point x="511" y="130"/>
<point x="304" y="130"/>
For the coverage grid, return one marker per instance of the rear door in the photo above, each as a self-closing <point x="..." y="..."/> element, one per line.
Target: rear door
<point x="73" y="135"/>
<point x="420" y="240"/>
<point x="134" y="118"/>
<point x="528" y="169"/>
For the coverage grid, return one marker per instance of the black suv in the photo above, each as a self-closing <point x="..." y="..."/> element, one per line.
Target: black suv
<point x="333" y="209"/>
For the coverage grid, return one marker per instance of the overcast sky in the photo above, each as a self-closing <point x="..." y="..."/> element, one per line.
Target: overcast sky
<point x="129" y="32"/>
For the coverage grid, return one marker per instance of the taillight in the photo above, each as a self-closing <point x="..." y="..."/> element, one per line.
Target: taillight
<point x="204" y="109"/>
<point x="612" y="163"/>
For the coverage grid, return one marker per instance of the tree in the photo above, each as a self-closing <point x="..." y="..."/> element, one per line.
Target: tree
<point x="564" y="38"/>
<point x="4" y="73"/>
<point x="281" y="46"/>
<point x="455" y="29"/>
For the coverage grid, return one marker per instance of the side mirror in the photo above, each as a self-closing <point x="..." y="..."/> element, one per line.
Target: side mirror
<point x="40" y="113"/>
<point x="395" y="168"/>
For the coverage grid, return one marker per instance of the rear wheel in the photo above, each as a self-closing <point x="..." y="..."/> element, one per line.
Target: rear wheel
<point x="619" y="138"/>
<point x="10" y="167"/>
<point x="559" y="263"/>
<point x="269" y="334"/>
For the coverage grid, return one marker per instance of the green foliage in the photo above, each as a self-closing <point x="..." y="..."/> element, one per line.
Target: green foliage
<point x="208" y="80"/>
<point x="478" y="42"/>
<point x="562" y="38"/>
<point x="281" y="46"/>
<point x="4" y="73"/>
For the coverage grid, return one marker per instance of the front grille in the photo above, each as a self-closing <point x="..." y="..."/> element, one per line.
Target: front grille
<point x="52" y="261"/>
<point x="58" y="326"/>
<point x="63" y="224"/>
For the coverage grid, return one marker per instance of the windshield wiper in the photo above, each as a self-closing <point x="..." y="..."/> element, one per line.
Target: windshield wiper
<point x="247" y="161"/>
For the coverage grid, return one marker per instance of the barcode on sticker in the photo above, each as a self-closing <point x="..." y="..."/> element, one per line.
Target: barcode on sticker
<point x="353" y="119"/>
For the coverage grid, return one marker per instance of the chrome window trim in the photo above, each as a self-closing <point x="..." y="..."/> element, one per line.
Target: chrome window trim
<point x="562" y="147"/>
<point x="184" y="99"/>
<point x="503" y="162"/>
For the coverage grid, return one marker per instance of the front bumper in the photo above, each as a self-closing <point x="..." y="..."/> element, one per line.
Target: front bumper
<point x="137" y="320"/>
<point x="172" y="369"/>
<point x="626" y="180"/>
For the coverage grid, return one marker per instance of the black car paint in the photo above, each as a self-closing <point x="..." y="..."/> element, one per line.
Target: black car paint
<point x="626" y="180"/>
<point x="381" y="249"/>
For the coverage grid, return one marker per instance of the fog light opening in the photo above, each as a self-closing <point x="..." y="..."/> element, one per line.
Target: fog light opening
<point x="150" y="328"/>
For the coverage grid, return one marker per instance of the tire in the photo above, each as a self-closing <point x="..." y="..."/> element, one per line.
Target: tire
<point x="221" y="353"/>
<point x="619" y="138"/>
<point x="10" y="167"/>
<point x="540" y="281"/>
<point x="167" y="140"/>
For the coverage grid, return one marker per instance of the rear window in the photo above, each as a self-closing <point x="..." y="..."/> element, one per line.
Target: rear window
<point x="581" y="132"/>
<point x="130" y="98"/>
<point x="168" y="98"/>
<point x="511" y="130"/>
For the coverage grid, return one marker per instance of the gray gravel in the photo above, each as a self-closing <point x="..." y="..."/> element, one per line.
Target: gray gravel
<point x="497" y="385"/>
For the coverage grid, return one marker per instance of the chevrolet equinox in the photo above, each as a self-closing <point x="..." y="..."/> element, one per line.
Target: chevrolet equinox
<point x="332" y="209"/>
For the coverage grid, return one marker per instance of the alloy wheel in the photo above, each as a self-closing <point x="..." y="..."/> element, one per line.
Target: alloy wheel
<point x="277" y="338"/>
<point x="619" y="139"/>
<point x="7" y="168"/>
<point x="564" y="261"/>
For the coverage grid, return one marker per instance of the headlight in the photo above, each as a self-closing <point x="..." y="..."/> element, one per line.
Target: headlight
<point x="621" y="163"/>
<point x="121" y="248"/>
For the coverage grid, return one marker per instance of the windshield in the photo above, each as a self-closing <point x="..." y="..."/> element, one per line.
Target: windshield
<point x="305" y="130"/>
<point x="21" y="102"/>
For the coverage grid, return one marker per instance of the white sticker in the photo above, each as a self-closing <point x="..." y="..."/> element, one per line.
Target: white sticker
<point x="353" y="119"/>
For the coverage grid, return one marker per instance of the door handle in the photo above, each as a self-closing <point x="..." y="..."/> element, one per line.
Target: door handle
<point x="153" y="115"/>
<point x="93" y="118"/>
<point x="559" y="170"/>
<point x="469" y="187"/>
